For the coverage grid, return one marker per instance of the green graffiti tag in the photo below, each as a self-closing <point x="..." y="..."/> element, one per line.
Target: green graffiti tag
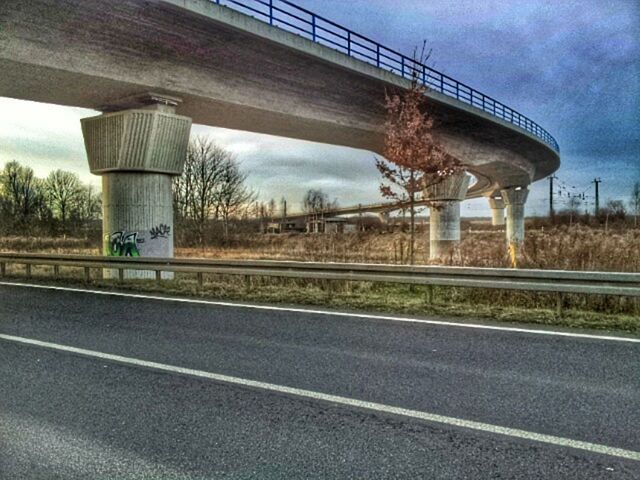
<point x="122" y="244"/>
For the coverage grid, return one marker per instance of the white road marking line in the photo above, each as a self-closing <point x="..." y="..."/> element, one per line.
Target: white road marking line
<point x="377" y="407"/>
<point x="327" y="312"/>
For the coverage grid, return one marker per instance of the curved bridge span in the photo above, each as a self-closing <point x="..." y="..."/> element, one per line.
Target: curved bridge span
<point x="264" y="66"/>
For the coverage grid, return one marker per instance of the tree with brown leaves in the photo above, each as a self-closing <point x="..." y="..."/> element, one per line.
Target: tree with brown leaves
<point x="414" y="160"/>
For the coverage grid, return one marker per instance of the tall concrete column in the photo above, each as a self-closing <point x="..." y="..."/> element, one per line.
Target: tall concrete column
<point x="514" y="199"/>
<point x="496" y="202"/>
<point x="137" y="149"/>
<point x="444" y="214"/>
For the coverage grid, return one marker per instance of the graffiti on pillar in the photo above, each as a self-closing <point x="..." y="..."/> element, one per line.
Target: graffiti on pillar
<point x="160" y="231"/>
<point x="123" y="244"/>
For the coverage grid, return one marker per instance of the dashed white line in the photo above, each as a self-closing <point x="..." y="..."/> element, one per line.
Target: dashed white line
<point x="350" y="402"/>
<point x="329" y="313"/>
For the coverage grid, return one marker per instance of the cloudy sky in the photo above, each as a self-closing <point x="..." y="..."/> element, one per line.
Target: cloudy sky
<point x="572" y="66"/>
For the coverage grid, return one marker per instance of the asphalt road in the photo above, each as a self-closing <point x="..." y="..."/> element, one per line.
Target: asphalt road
<point x="71" y="415"/>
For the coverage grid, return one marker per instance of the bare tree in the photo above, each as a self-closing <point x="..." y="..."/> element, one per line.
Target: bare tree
<point x="316" y="204"/>
<point x="315" y="201"/>
<point x="195" y="194"/>
<point x="271" y="209"/>
<point x="20" y="194"/>
<point x="89" y="207"/>
<point x="64" y="195"/>
<point x="232" y="193"/>
<point x="414" y="160"/>
<point x="575" y="202"/>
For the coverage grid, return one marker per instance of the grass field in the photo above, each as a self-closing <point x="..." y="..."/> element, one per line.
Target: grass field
<point x="572" y="248"/>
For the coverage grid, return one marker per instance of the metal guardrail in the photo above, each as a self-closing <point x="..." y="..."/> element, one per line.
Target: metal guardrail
<point x="288" y="16"/>
<point x="559" y="281"/>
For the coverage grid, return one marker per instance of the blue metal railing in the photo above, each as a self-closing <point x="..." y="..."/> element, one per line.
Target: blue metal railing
<point x="287" y="16"/>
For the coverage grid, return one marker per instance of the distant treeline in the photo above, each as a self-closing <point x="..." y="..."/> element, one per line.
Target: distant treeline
<point x="59" y="204"/>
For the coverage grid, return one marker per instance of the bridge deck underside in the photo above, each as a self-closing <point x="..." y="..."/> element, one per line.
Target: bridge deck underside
<point x="234" y="72"/>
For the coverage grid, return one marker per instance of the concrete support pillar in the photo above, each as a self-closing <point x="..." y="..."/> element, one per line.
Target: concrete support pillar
<point x="497" y="209"/>
<point x="137" y="149"/>
<point x="444" y="214"/>
<point x="384" y="217"/>
<point x="514" y="199"/>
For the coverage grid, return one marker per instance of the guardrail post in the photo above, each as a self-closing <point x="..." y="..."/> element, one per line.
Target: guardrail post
<point x="430" y="294"/>
<point x="56" y="271"/>
<point x="327" y="286"/>
<point x="348" y="43"/>
<point x="559" y="304"/>
<point x="121" y="274"/>
<point x="87" y="274"/>
<point x="247" y="283"/>
<point x="28" y="269"/>
<point x="378" y="55"/>
<point x="200" y="280"/>
<point x="3" y="269"/>
<point x="313" y="27"/>
<point x="158" y="276"/>
<point x="270" y="12"/>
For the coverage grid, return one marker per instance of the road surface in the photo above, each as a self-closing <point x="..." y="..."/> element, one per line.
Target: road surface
<point x="94" y="385"/>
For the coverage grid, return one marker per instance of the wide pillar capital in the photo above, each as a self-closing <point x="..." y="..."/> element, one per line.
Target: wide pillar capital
<point x="496" y="202"/>
<point x="451" y="187"/>
<point x="515" y="195"/>
<point x="148" y="137"/>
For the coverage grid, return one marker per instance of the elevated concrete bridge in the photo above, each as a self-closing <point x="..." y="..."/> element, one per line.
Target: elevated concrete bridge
<point x="154" y="66"/>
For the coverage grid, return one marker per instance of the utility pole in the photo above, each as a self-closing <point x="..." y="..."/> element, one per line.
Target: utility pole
<point x="597" y="182"/>
<point x="283" y="226"/>
<point x="552" y="213"/>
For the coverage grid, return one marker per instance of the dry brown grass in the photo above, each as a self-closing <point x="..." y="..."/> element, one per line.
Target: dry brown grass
<point x="569" y="248"/>
<point x="562" y="247"/>
<point x="50" y="245"/>
<point x="565" y="247"/>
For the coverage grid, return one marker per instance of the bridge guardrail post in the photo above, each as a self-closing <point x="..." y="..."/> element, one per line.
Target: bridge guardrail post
<point x="337" y="30"/>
